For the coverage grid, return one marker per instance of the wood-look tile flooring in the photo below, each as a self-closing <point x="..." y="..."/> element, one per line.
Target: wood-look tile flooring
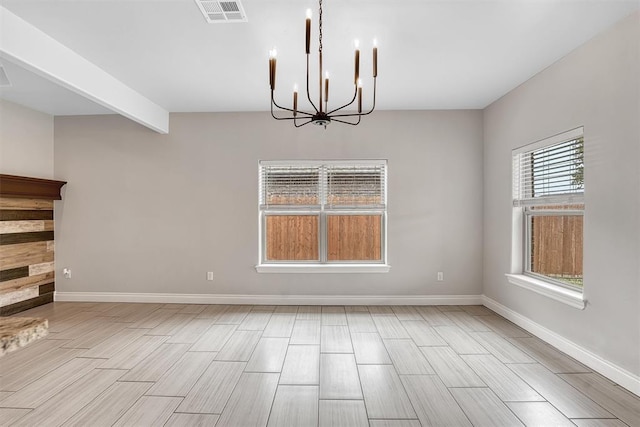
<point x="106" y="364"/>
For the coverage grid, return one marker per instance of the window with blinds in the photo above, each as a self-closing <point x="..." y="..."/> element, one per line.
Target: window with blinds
<point x="550" y="174"/>
<point x="323" y="212"/>
<point x="548" y="193"/>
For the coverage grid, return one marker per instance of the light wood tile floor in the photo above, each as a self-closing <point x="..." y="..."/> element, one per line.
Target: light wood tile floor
<point x="106" y="364"/>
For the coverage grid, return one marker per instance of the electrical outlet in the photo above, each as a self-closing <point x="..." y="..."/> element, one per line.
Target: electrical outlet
<point x="209" y="275"/>
<point x="66" y="273"/>
<point x="440" y="276"/>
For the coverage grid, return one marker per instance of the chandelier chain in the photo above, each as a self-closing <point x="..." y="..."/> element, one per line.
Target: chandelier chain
<point x="320" y="27"/>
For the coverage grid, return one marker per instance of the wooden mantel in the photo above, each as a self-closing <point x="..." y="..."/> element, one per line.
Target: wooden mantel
<point x="30" y="188"/>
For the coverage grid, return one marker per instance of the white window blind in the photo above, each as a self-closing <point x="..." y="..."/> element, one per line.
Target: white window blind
<point x="289" y="185"/>
<point x="356" y="185"/>
<point x="340" y="184"/>
<point x="550" y="174"/>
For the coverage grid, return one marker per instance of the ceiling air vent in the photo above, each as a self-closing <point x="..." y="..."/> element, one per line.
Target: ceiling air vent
<point x="219" y="12"/>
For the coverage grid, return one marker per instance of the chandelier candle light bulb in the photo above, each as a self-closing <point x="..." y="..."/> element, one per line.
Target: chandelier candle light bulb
<point x="321" y="114"/>
<point x="357" y="74"/>
<point x="359" y="96"/>
<point x="308" y="32"/>
<point x="375" y="58"/>
<point x="326" y="89"/>
<point x="272" y="68"/>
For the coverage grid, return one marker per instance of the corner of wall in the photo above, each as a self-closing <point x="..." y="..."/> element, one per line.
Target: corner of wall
<point x="26" y="141"/>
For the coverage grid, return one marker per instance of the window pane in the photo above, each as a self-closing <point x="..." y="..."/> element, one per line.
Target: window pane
<point x="558" y="169"/>
<point x="554" y="173"/>
<point x="292" y="237"/>
<point x="354" y="237"/>
<point x="556" y="247"/>
<point x="357" y="185"/>
<point x="290" y="185"/>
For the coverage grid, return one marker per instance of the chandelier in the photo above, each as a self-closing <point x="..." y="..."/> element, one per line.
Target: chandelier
<point x="321" y="115"/>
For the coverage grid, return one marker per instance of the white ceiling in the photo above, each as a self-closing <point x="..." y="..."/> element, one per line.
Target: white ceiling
<point x="447" y="54"/>
<point x="40" y="94"/>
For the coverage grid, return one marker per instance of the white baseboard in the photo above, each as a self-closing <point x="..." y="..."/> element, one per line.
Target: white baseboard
<point x="270" y="299"/>
<point x="615" y="373"/>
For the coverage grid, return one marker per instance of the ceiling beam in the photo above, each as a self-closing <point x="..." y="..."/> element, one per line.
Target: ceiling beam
<point x="35" y="51"/>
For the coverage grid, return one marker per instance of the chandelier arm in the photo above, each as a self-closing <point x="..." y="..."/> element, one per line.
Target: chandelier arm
<point x="373" y="107"/>
<point x="355" y="93"/>
<point x="280" y="118"/>
<point x="351" y="114"/>
<point x="273" y="102"/>
<point x="290" y="110"/>
<point x="308" y="94"/>
<point x="303" y="124"/>
<point x="283" y="118"/>
<point x="287" y="118"/>
<point x="347" y="123"/>
<point x="361" y="114"/>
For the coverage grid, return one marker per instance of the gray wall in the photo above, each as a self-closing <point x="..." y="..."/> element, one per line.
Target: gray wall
<point x="151" y="213"/>
<point x="596" y="86"/>
<point x="26" y="141"/>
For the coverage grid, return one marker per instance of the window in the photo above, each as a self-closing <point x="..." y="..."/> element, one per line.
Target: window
<point x="548" y="200"/>
<point x="322" y="214"/>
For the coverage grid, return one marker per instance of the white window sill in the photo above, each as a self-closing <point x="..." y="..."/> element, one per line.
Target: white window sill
<point x="323" y="268"/>
<point x="572" y="298"/>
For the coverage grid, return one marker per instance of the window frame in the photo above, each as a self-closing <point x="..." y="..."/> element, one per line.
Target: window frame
<point x="323" y="211"/>
<point x="521" y="274"/>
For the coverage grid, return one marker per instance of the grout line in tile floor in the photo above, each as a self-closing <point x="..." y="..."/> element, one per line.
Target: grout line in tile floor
<point x="388" y="395"/>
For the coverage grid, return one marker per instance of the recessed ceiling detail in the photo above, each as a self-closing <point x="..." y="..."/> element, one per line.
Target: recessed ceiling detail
<point x="222" y="12"/>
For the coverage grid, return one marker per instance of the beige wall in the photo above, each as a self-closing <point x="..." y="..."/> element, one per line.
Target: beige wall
<point x="153" y="213"/>
<point x="596" y="86"/>
<point x="26" y="141"/>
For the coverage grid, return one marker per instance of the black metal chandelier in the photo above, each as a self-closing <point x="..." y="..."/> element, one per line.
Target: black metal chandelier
<point x="321" y="115"/>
